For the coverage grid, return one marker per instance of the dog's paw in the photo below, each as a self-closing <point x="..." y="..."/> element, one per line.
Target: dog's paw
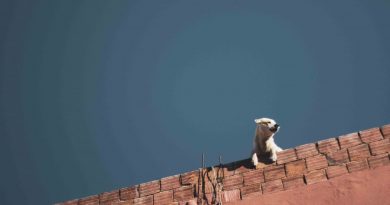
<point x="273" y="158"/>
<point x="255" y="162"/>
<point x="260" y="165"/>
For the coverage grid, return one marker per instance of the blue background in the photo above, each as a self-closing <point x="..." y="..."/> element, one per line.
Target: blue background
<point x="98" y="95"/>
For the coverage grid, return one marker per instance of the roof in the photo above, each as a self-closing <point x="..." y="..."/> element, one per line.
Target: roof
<point x="328" y="166"/>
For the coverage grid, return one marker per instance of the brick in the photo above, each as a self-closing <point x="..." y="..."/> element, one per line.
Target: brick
<point x="109" y="197"/>
<point x="316" y="162"/>
<point x="378" y="161"/>
<point x="129" y="202"/>
<point x="128" y="193"/>
<point x="272" y="186"/>
<point x="183" y="193"/>
<point x="149" y="188"/>
<point x="163" y="198"/>
<point x="335" y="171"/>
<point x="296" y="168"/>
<point x="209" y="198"/>
<point x="206" y="183"/>
<point x="380" y="147"/>
<point x="349" y="140"/>
<point x="70" y="202"/>
<point x="229" y="169"/>
<point x="386" y="131"/>
<point x="274" y="172"/>
<point x="371" y="135"/>
<point x="212" y="176"/>
<point x="306" y="150"/>
<point x="237" y="167"/>
<point x="328" y="145"/>
<point x="357" y="166"/>
<point x="90" y="200"/>
<point x="147" y="200"/>
<point x="231" y="195"/>
<point x="315" y="176"/>
<point x="169" y="183"/>
<point x="189" y="178"/>
<point x="242" y="169"/>
<point x="359" y="152"/>
<point x="250" y="190"/>
<point x="337" y="157"/>
<point x="208" y="186"/>
<point x="232" y="182"/>
<point x="287" y="155"/>
<point x="253" y="177"/>
<point x="188" y="202"/>
<point x="251" y="195"/>
<point x="293" y="182"/>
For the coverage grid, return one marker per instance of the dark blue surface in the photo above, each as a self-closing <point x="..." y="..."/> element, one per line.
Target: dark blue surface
<point x="98" y="95"/>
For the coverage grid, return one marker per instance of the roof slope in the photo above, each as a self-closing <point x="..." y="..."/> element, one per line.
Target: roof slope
<point x="358" y="188"/>
<point x="317" y="168"/>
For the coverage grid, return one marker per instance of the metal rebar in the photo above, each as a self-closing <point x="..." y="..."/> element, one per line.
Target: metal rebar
<point x="202" y="160"/>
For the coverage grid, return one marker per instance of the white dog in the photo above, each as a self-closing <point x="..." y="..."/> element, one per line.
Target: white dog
<point x="263" y="143"/>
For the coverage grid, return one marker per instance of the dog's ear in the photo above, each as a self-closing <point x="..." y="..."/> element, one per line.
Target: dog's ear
<point x="257" y="121"/>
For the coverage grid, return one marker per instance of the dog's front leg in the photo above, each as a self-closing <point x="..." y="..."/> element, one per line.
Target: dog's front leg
<point x="273" y="157"/>
<point x="255" y="160"/>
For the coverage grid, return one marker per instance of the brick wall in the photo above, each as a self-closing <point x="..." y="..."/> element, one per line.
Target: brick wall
<point x="296" y="167"/>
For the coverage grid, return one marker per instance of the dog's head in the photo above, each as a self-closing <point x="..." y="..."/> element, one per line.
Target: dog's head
<point x="267" y="125"/>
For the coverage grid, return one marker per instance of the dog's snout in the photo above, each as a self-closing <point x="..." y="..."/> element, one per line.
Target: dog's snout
<point x="274" y="128"/>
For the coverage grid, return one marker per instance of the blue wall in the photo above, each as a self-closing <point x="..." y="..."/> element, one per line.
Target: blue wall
<point x="97" y="95"/>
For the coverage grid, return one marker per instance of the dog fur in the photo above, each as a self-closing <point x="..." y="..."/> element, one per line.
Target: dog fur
<point x="263" y="143"/>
